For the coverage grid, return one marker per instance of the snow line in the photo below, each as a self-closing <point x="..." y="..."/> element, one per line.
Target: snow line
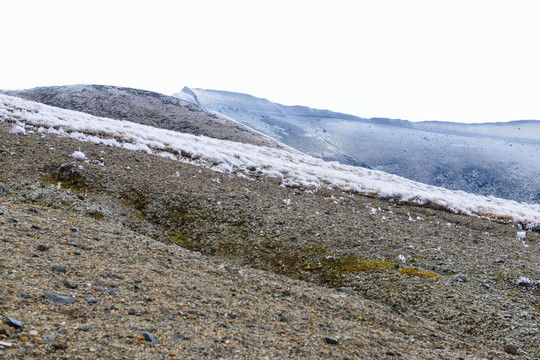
<point x="295" y="169"/>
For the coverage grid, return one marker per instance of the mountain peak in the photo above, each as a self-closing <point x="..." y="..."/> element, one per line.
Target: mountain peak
<point x="187" y="95"/>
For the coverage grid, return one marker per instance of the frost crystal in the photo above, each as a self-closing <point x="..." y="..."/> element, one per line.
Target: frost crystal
<point x="79" y="155"/>
<point x="18" y="129"/>
<point x="524" y="281"/>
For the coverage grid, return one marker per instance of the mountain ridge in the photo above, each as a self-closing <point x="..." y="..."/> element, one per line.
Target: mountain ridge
<point x="145" y="107"/>
<point x="471" y="157"/>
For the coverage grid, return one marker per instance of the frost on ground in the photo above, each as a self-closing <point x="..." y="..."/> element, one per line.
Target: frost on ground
<point x="243" y="159"/>
<point x="79" y="155"/>
<point x="18" y="129"/>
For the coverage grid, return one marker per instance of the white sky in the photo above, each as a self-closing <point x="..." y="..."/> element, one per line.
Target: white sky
<point x="467" y="61"/>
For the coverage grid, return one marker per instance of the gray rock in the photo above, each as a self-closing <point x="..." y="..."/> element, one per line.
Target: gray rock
<point x="149" y="337"/>
<point x="12" y="322"/>
<point x="348" y="290"/>
<point x="59" y="269"/>
<point x="61" y="299"/>
<point x="72" y="284"/>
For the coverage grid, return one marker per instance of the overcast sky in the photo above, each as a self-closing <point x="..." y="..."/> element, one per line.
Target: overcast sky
<point x="466" y="61"/>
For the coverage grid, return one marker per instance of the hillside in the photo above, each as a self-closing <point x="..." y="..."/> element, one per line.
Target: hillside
<point x="295" y="266"/>
<point x="496" y="159"/>
<point x="145" y="107"/>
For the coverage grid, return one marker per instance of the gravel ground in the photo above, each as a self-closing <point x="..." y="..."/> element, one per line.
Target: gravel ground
<point x="284" y="273"/>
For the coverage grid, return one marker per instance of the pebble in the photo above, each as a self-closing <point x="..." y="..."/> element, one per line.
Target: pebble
<point x="72" y="284"/>
<point x="149" y="337"/>
<point x="59" y="344"/>
<point x="331" y="341"/>
<point x="180" y="337"/>
<point x="49" y="338"/>
<point x="348" y="290"/>
<point x="61" y="299"/>
<point x="12" y="322"/>
<point x="92" y="301"/>
<point x="6" y="330"/>
<point x="5" y="344"/>
<point x="511" y="349"/>
<point x="59" y="269"/>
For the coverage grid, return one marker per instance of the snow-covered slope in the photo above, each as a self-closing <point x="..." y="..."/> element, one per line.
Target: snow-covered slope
<point x="146" y="107"/>
<point x="498" y="159"/>
<point x="245" y="160"/>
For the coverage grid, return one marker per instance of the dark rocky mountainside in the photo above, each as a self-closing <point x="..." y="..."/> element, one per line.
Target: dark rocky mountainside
<point x="297" y="272"/>
<point x="145" y="107"/>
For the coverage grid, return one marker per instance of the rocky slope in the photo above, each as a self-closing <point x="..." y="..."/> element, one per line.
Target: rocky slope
<point x="145" y="107"/>
<point x="284" y="272"/>
<point x="497" y="159"/>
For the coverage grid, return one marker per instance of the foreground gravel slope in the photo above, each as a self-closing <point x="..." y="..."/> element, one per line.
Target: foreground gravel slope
<point x="454" y="296"/>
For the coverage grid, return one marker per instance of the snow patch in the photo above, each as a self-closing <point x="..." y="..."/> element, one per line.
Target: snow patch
<point x="79" y="155"/>
<point x="291" y="167"/>
<point x="18" y="130"/>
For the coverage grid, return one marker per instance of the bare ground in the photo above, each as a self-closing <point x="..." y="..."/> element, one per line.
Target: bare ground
<point x="269" y="271"/>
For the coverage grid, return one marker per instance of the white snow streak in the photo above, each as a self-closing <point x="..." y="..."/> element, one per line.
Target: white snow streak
<point x="244" y="159"/>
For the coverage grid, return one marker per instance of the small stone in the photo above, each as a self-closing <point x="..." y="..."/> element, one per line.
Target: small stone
<point x="49" y="338"/>
<point x="181" y="337"/>
<point x="348" y="290"/>
<point x="5" y="344"/>
<point x="11" y="221"/>
<point x="77" y="252"/>
<point x="33" y="333"/>
<point x="12" y="322"/>
<point x="149" y="337"/>
<point x="92" y="301"/>
<point x="391" y="353"/>
<point x="331" y="341"/>
<point x="61" y="299"/>
<point x="43" y="247"/>
<point x="59" y="269"/>
<point x="6" y="330"/>
<point x="511" y="349"/>
<point x="59" y="344"/>
<point x="72" y="284"/>
<point x="133" y="312"/>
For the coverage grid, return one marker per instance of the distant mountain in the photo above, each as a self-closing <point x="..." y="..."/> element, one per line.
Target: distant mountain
<point x="498" y="159"/>
<point x="145" y="107"/>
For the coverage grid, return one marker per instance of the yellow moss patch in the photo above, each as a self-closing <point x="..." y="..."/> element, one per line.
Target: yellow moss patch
<point x="420" y="273"/>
